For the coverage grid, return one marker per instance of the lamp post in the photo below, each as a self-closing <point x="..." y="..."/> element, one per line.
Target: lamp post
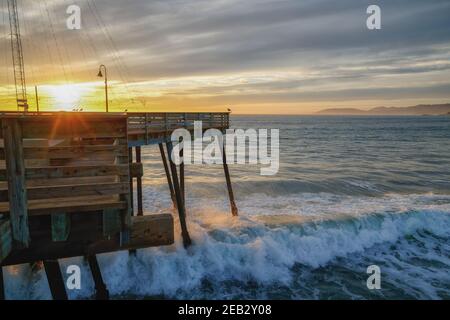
<point x="100" y="75"/>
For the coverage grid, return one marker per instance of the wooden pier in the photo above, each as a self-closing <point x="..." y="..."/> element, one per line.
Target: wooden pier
<point x="67" y="180"/>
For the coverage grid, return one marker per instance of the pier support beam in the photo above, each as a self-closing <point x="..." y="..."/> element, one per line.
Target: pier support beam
<point x="55" y="280"/>
<point x="101" y="292"/>
<point x="183" y="192"/>
<point x="234" y="209"/>
<point x="2" y="285"/>
<point x="15" y="176"/>
<point x="139" y="184"/>
<point x="180" y="203"/>
<point x="169" y="179"/>
<point x="130" y="160"/>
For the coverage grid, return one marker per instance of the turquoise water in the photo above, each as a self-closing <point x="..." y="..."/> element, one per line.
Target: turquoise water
<point x="351" y="192"/>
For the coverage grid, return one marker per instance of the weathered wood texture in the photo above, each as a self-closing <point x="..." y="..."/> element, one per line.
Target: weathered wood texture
<point x="87" y="238"/>
<point x="138" y="173"/>
<point x="149" y="231"/>
<point x="131" y="181"/>
<point x="2" y="285"/>
<point x="168" y="176"/>
<point x="60" y="226"/>
<point x="144" y="128"/>
<point x="179" y="198"/>
<point x="111" y="222"/>
<point x="5" y="239"/>
<point x="59" y="164"/>
<point x="16" y="190"/>
<point x="234" y="209"/>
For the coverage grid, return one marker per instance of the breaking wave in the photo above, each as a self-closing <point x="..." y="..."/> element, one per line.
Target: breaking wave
<point x="292" y="247"/>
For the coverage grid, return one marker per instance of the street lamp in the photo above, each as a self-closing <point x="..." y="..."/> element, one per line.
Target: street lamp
<point x="100" y="75"/>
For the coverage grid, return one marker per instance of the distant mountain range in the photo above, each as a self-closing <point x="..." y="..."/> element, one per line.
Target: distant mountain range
<point x="432" y="109"/>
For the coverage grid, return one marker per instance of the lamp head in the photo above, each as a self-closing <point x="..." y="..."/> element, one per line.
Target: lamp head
<point x="100" y="74"/>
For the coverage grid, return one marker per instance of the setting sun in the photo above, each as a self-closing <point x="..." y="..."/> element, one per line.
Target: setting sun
<point x="66" y="97"/>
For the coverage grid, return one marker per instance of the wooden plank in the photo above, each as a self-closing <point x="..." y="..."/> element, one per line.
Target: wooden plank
<point x="82" y="162"/>
<point x="60" y="226"/>
<point x="73" y="152"/>
<point x="111" y="222"/>
<point x="147" y="231"/>
<point x="38" y="208"/>
<point x="69" y="181"/>
<point x="73" y="171"/>
<point x="62" y="115"/>
<point x="77" y="207"/>
<point x="58" y="129"/>
<point x="17" y="192"/>
<point x="96" y="141"/>
<point x="5" y="239"/>
<point x="68" y="152"/>
<point x="36" y="193"/>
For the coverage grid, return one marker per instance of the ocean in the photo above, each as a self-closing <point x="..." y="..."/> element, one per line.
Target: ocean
<point x="351" y="192"/>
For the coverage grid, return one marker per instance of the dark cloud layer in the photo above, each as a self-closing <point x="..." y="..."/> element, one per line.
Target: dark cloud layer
<point x="281" y="50"/>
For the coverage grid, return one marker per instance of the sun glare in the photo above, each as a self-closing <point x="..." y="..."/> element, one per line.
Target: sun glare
<point x="65" y="97"/>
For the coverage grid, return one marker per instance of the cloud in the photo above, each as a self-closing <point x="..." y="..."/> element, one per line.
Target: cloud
<point x="317" y="46"/>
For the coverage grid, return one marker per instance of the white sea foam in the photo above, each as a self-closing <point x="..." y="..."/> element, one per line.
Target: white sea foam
<point x="264" y="244"/>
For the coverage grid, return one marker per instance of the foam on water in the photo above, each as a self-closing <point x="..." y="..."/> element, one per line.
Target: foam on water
<point x="309" y="237"/>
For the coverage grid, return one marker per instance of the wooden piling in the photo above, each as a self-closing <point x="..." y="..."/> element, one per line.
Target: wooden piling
<point x="180" y="204"/>
<point x="2" y="285"/>
<point x="60" y="227"/>
<point x="234" y="209"/>
<point x="183" y="192"/>
<point x="55" y="280"/>
<point x="139" y="184"/>
<point x="169" y="179"/>
<point x="15" y="173"/>
<point x="5" y="239"/>
<point x="101" y="291"/>
<point x="130" y="159"/>
<point x="112" y="222"/>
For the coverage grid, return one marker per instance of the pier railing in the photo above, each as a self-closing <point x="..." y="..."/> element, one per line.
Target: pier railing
<point x="148" y="128"/>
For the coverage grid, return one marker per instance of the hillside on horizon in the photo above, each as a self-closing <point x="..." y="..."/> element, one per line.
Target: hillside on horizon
<point x="432" y="109"/>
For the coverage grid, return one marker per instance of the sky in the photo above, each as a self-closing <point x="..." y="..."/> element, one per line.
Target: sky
<point x="252" y="56"/>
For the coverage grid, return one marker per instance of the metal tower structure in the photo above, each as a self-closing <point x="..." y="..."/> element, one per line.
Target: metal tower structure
<point x="17" y="56"/>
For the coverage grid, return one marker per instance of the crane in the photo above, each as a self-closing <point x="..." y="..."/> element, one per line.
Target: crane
<point x="17" y="57"/>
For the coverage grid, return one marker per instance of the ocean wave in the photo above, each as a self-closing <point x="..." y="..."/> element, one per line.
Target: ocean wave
<point x="264" y="245"/>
